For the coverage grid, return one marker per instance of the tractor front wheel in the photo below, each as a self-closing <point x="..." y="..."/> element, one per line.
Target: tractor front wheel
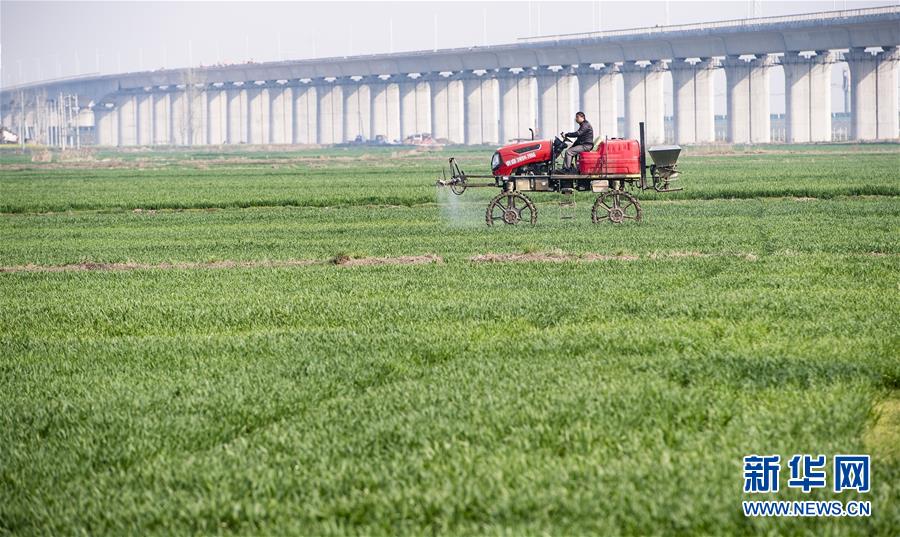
<point x="511" y="208"/>
<point x="616" y="206"/>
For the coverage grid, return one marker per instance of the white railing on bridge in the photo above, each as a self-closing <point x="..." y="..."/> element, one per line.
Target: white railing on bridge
<point x="735" y="23"/>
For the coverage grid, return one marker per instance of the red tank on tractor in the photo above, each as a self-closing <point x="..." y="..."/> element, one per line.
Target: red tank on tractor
<point x="612" y="167"/>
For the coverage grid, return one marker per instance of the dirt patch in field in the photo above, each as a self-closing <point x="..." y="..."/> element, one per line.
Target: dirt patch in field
<point x="226" y="264"/>
<point x="84" y="267"/>
<point x="695" y="254"/>
<point x="558" y="257"/>
<point x="676" y="255"/>
<point x="604" y="257"/>
<point x="344" y="261"/>
<point x="553" y="257"/>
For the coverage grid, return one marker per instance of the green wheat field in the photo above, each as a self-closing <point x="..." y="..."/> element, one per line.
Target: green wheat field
<point x="319" y="342"/>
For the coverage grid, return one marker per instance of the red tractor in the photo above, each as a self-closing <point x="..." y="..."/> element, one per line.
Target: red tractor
<point x="607" y="170"/>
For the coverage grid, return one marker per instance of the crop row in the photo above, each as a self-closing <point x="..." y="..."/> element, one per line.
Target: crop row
<point x="761" y="227"/>
<point x="409" y="181"/>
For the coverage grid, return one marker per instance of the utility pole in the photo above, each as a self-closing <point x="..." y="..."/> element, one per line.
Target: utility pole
<point x="61" y="122"/>
<point x="22" y="119"/>
<point x="77" y="124"/>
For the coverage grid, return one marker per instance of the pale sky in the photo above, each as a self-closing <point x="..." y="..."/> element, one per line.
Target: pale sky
<point x="46" y="40"/>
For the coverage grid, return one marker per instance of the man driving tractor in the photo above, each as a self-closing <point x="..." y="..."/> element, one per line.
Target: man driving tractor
<point x="584" y="139"/>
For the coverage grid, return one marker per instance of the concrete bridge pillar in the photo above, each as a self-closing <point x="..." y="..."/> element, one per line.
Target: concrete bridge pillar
<point x="237" y="114"/>
<point x="472" y="101"/>
<point x="190" y="115"/>
<point x="392" y="107"/>
<point x="331" y="113"/>
<point x="737" y="79"/>
<point x="447" y="108"/>
<point x="385" y="97"/>
<point x="597" y="99"/>
<point x="644" y="100"/>
<point x="747" y="91"/>
<point x="480" y="108"/>
<point x="423" y="106"/>
<point x="439" y="112"/>
<point x="807" y="97"/>
<point x="258" y="110"/>
<point x="406" y="88"/>
<point x="693" y="101"/>
<point x="217" y="116"/>
<point x="281" y="117"/>
<point x="357" y="118"/>
<point x="106" y="123"/>
<point x="378" y="107"/>
<point x="760" y="106"/>
<point x="863" y="94"/>
<point x="127" y="107"/>
<point x="888" y="109"/>
<point x="178" y="117"/>
<point x="305" y="129"/>
<point x="161" y="116"/>
<point x="873" y="93"/>
<point x="415" y="106"/>
<point x="517" y="105"/>
<point x="144" y="119"/>
<point x="556" y="101"/>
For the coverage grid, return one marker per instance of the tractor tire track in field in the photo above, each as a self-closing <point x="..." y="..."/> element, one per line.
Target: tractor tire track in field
<point x="798" y="195"/>
<point x="551" y="257"/>
<point x="342" y="261"/>
<point x="558" y="257"/>
<point x="346" y="261"/>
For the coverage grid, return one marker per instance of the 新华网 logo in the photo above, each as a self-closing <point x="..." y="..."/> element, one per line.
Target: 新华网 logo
<point x="762" y="475"/>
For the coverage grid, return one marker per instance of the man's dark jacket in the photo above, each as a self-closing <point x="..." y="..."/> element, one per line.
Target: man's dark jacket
<point x="584" y="135"/>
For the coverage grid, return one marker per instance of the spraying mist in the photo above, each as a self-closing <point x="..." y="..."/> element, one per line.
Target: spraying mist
<point x="460" y="211"/>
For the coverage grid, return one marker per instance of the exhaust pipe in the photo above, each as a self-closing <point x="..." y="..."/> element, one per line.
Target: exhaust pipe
<point x="643" y="157"/>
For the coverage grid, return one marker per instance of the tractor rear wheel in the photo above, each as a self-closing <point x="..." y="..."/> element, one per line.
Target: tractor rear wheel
<point x="616" y="206"/>
<point x="511" y="208"/>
